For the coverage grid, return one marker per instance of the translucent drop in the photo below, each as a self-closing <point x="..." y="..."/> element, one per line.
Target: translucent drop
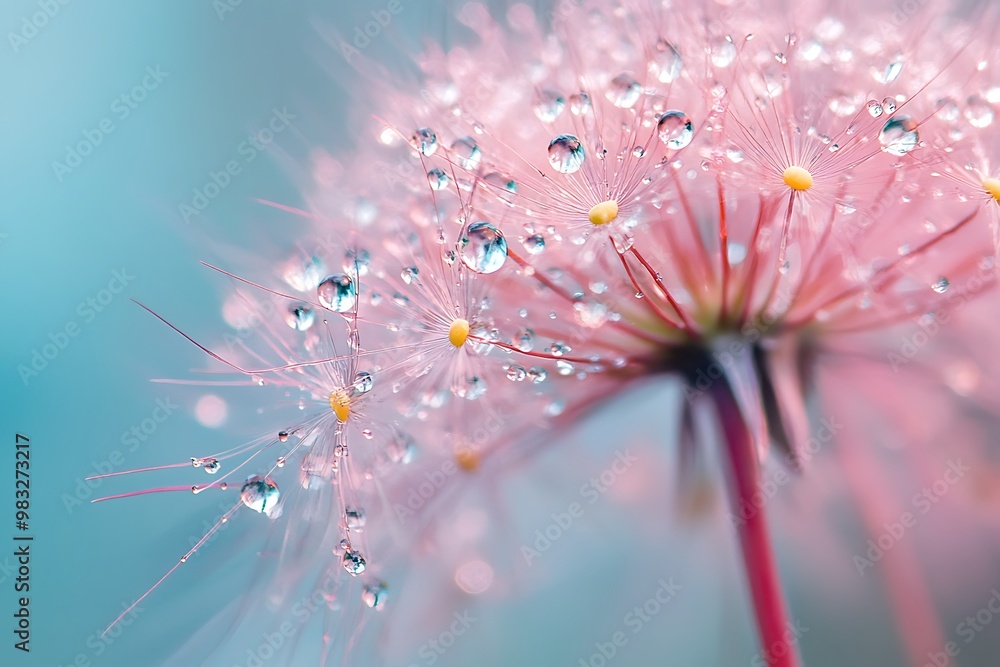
<point x="675" y="129"/>
<point x="941" y="286"/>
<point x="566" y="154"/>
<point x="525" y="340"/>
<point x="723" y="53"/>
<point x="337" y="292"/>
<point x="978" y="112"/>
<point x="549" y="105"/>
<point x="889" y="105"/>
<point x="564" y="367"/>
<point x="947" y="109"/>
<point x="409" y="274"/>
<point x="304" y="275"/>
<point x="535" y="244"/>
<point x="559" y="348"/>
<point x="467" y="152"/>
<point x="375" y="595"/>
<point x="437" y="178"/>
<point x="537" y="374"/>
<point x="471" y="388"/>
<point x="516" y="373"/>
<point x="300" y="317"/>
<point x="356" y="261"/>
<point x="260" y="494"/>
<point x="667" y="62"/>
<point x="355" y="518"/>
<point x="899" y="135"/>
<point x="363" y="383"/>
<point x="211" y="466"/>
<point x="874" y="108"/>
<point x="353" y="562"/>
<point x="890" y="73"/>
<point x="283" y="436"/>
<point x="624" y="91"/>
<point x="425" y="141"/>
<point x="484" y="248"/>
<point x="579" y="104"/>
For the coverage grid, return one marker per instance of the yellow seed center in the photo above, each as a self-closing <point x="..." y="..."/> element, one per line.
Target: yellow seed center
<point x="603" y="213"/>
<point x="459" y="332"/>
<point x="798" y="178"/>
<point x="992" y="186"/>
<point x="340" y="403"/>
<point x="467" y="460"/>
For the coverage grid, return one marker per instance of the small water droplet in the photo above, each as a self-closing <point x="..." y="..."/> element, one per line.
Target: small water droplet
<point x="537" y="374"/>
<point x="260" y="494"/>
<point x="580" y="104"/>
<point x="300" y="317"/>
<point x="535" y="244"/>
<point x="941" y="286"/>
<point x="337" y="292"/>
<point x="484" y="248"/>
<point x="355" y="517"/>
<point x="566" y="154"/>
<point x="437" y="179"/>
<point x="675" y="129"/>
<point x="467" y="152"/>
<point x="549" y="105"/>
<point x="375" y="595"/>
<point x="516" y="373"/>
<point x="891" y="72"/>
<point x="723" y="52"/>
<point x="283" y="436"/>
<point x="525" y="340"/>
<point x="409" y="274"/>
<point x="899" y="135"/>
<point x="353" y="562"/>
<point x="889" y="104"/>
<point x="363" y="383"/>
<point x="425" y="141"/>
<point x="874" y="108"/>
<point x="978" y="112"/>
<point x="624" y="91"/>
<point x="667" y="62"/>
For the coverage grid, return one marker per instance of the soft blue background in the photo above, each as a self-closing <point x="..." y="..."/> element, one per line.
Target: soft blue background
<point x="60" y="242"/>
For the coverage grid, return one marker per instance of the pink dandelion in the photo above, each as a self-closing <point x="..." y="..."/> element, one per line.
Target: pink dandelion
<point x="743" y="199"/>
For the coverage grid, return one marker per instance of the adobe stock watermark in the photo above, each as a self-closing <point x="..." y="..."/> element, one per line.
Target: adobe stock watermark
<point x="87" y="311"/>
<point x="968" y="630"/>
<point x="432" y="650"/>
<point x="121" y="108"/>
<point x="435" y="480"/>
<point x="246" y="152"/>
<point x="635" y="621"/>
<point x="591" y="491"/>
<point x="32" y="24"/>
<point x="767" y="487"/>
<point x="923" y="503"/>
<point x="98" y="643"/>
<point x="782" y="647"/>
<point x="130" y="440"/>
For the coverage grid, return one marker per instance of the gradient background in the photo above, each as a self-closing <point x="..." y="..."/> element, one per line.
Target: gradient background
<point x="62" y="239"/>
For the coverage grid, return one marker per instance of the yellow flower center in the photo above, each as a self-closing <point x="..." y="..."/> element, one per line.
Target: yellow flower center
<point x="459" y="332"/>
<point x="340" y="403"/>
<point x="992" y="186"/>
<point x="798" y="178"/>
<point x="603" y="213"/>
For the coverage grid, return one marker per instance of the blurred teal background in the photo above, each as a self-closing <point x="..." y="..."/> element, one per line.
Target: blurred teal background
<point x="109" y="229"/>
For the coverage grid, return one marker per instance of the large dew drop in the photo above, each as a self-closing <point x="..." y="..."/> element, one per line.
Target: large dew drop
<point x="260" y="494"/>
<point x="566" y="154"/>
<point x="467" y="152"/>
<point x="484" y="248"/>
<point x="337" y="292"/>
<point x="549" y="105"/>
<point x="675" y="129"/>
<point x="899" y="135"/>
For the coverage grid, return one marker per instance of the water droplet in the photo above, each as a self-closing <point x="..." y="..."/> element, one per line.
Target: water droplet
<point x="941" y="286"/>
<point x="375" y="595"/>
<point x="356" y="261"/>
<point x="211" y="466"/>
<point x="889" y="104"/>
<point x="355" y="518"/>
<point x="675" y="129"/>
<point x="723" y="52"/>
<point x="899" y="135"/>
<point x="559" y="348"/>
<point x="564" y="367"/>
<point x="535" y="244"/>
<point x="425" y="141"/>
<point x="409" y="274"/>
<point x="354" y="562"/>
<point x="525" y="340"/>
<point x="300" y="317"/>
<point x="580" y="105"/>
<point x="501" y="181"/>
<point x="304" y="275"/>
<point x="467" y="152"/>
<point x="516" y="373"/>
<point x="537" y="374"/>
<point x="260" y="494"/>
<point x="484" y="248"/>
<point x="470" y="389"/>
<point x="736" y="252"/>
<point x="874" y="108"/>
<point x="667" y="62"/>
<point x="337" y="292"/>
<point x="363" y="383"/>
<point x="891" y="72"/>
<point x="549" y="105"/>
<point x="978" y="112"/>
<point x="624" y="91"/>
<point x="283" y="436"/>
<point x="566" y="154"/>
<point x="437" y="179"/>
<point x="591" y="314"/>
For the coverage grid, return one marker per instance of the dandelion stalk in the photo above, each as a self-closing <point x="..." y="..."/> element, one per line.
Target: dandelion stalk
<point x="755" y="544"/>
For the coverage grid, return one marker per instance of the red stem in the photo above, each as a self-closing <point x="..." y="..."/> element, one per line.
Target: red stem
<point x="773" y="623"/>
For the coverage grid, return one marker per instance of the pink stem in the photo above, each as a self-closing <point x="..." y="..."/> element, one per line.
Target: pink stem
<point x="773" y="623"/>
